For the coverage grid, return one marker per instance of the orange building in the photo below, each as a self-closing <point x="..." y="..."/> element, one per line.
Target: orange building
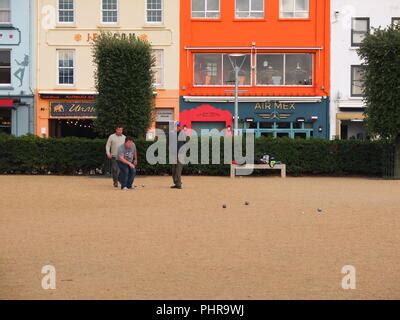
<point x="282" y="50"/>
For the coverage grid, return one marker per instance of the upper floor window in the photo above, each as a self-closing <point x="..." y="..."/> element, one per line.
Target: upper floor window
<point x="216" y="69"/>
<point x="249" y="8"/>
<point x="65" y="11"/>
<point x="109" y="11"/>
<point x="158" y="68"/>
<point x="205" y="9"/>
<point x="284" y="69"/>
<point x="359" y="30"/>
<point x="396" y="21"/>
<point x="294" y="9"/>
<point x="66" y="67"/>
<point x="357" y="81"/>
<point x="154" y="11"/>
<point x="5" y="67"/>
<point x="5" y="11"/>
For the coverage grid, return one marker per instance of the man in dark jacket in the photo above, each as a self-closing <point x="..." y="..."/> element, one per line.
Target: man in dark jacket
<point x="177" y="166"/>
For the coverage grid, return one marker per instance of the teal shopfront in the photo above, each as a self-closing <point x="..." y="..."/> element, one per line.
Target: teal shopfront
<point x="292" y="117"/>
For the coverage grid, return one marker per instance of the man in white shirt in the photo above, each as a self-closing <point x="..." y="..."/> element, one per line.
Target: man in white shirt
<point x="114" y="141"/>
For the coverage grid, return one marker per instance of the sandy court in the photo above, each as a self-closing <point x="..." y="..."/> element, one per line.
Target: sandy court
<point x="157" y="243"/>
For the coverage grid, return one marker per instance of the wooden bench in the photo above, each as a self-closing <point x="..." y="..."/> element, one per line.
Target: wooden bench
<point x="235" y="167"/>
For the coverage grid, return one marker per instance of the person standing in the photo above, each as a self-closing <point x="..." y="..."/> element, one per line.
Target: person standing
<point x="177" y="167"/>
<point x="127" y="161"/>
<point x="113" y="143"/>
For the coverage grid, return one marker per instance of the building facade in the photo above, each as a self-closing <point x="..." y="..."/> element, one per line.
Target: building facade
<point x="16" y="58"/>
<point x="351" y="20"/>
<point x="65" y="68"/>
<point x="282" y="48"/>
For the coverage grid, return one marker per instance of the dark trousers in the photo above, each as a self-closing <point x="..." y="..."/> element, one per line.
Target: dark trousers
<point x="126" y="175"/>
<point x="114" y="169"/>
<point x="177" y="174"/>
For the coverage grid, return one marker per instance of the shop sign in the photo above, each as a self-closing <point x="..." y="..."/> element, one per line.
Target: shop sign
<point x="73" y="110"/>
<point x="278" y="110"/>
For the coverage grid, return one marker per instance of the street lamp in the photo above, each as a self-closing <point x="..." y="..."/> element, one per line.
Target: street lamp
<point x="233" y="59"/>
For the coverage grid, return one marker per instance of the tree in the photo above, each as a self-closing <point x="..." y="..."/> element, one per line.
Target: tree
<point x="124" y="81"/>
<point x="381" y="53"/>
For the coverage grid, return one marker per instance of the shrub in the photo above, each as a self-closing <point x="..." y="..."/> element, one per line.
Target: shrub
<point x="29" y="154"/>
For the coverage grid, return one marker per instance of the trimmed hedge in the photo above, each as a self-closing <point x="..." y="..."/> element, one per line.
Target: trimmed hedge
<point x="33" y="155"/>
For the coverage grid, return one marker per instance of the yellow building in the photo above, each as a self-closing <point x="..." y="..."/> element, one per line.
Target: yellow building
<point x="65" y="69"/>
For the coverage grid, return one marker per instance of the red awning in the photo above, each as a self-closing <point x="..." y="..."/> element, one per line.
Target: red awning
<point x="7" y="103"/>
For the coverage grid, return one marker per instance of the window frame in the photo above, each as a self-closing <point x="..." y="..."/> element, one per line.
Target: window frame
<point x="281" y="17"/>
<point x="352" y="67"/>
<point x="162" y="69"/>
<point x="394" y="19"/>
<point x="102" y="14"/>
<point x="284" y="70"/>
<point x="2" y="85"/>
<point x="73" y="68"/>
<point x="205" y="11"/>
<point x="250" y="11"/>
<point x="354" y="44"/>
<point x="147" y="16"/>
<point x="58" y="14"/>
<point x="10" y="15"/>
<point x="222" y="54"/>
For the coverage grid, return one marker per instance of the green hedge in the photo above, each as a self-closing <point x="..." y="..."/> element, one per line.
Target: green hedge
<point x="29" y="154"/>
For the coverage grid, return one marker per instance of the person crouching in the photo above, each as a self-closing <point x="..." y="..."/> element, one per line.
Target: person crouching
<point x="127" y="162"/>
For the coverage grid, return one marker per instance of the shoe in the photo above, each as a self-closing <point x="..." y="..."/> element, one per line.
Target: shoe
<point x="125" y="189"/>
<point x="176" y="187"/>
<point x="115" y="184"/>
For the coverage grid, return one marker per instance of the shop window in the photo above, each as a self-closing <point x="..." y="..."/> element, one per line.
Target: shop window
<point x="109" y="11"/>
<point x="65" y="11"/>
<point x="298" y="69"/>
<point x="208" y="69"/>
<point x="66" y="67"/>
<point x="270" y="69"/>
<point x="5" y="121"/>
<point x="357" y="81"/>
<point x="154" y="11"/>
<point x="5" y="12"/>
<point x="284" y="69"/>
<point x="359" y="30"/>
<point x="294" y="8"/>
<point x="249" y="8"/>
<point x="300" y="135"/>
<point x="5" y="67"/>
<point x="205" y="9"/>
<point x="245" y="70"/>
<point x="158" y="69"/>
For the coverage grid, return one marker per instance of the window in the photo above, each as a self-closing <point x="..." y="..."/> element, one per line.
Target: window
<point x="208" y="69"/>
<point x="5" y="12"/>
<point x="294" y="8"/>
<point x="215" y="69"/>
<point x="158" y="68"/>
<point x="298" y="69"/>
<point x="249" y="8"/>
<point x="205" y="8"/>
<point x="5" y="121"/>
<point x="66" y="11"/>
<point x="66" y="67"/>
<point x="154" y="11"/>
<point x="359" y="30"/>
<point x="284" y="69"/>
<point x="357" y="81"/>
<point x="396" y="21"/>
<point x="109" y="11"/>
<point x="244" y="63"/>
<point x="5" y="67"/>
